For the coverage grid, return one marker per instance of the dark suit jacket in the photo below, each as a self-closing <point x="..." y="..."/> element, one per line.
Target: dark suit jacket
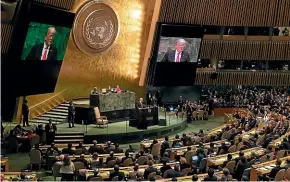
<point x="164" y="168"/>
<point x="207" y="178"/>
<point x="118" y="150"/>
<point x="170" y="57"/>
<point x="116" y="173"/>
<point x="138" y="104"/>
<point x="97" y="149"/>
<point x="174" y="174"/>
<point x="148" y="171"/>
<point x="52" y="127"/>
<point x="274" y="171"/>
<point x="36" y="52"/>
<point x="240" y="169"/>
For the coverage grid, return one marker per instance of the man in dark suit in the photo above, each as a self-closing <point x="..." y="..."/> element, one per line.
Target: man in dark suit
<point x="71" y="114"/>
<point x="210" y="176"/>
<point x="50" y="130"/>
<point x="111" y="157"/>
<point x="176" y="173"/>
<point x="25" y="112"/>
<point x="149" y="170"/>
<point x="276" y="169"/>
<point x="116" y="172"/>
<point x="165" y="167"/>
<point x="177" y="55"/>
<point x="142" y="118"/>
<point x="118" y="149"/>
<point x="44" y="51"/>
<point x="241" y="168"/>
<point x="96" y="148"/>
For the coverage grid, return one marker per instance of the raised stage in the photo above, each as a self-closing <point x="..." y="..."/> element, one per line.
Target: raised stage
<point x="121" y="132"/>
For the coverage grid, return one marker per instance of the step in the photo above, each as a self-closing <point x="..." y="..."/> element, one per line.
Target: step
<point x="62" y="107"/>
<point x="68" y="141"/>
<point x="42" y="121"/>
<point x="69" y="133"/>
<point x="57" y="113"/>
<point x="54" y="116"/>
<point x="59" y="110"/>
<point x="65" y="104"/>
<point x="69" y="136"/>
<point x="47" y="118"/>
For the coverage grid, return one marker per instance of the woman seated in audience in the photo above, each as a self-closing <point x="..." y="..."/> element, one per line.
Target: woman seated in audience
<point x="226" y="175"/>
<point x="67" y="170"/>
<point x="183" y="164"/>
<point x="133" y="174"/>
<point x="153" y="143"/>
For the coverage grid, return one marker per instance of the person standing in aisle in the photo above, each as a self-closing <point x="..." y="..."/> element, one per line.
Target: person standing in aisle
<point x="71" y="114"/>
<point x="25" y="112"/>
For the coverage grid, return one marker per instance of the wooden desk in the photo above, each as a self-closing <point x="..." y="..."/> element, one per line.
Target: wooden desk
<point x="188" y="178"/>
<point x="104" y="156"/>
<point x="246" y="135"/>
<point x="5" y="163"/>
<point x="219" y="160"/>
<point x="105" y="172"/>
<point x="276" y="143"/>
<point x="180" y="151"/>
<point x="216" y="130"/>
<point x="265" y="168"/>
<point x="10" y="175"/>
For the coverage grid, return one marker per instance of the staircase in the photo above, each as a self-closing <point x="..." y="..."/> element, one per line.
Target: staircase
<point x="68" y="137"/>
<point x="57" y="115"/>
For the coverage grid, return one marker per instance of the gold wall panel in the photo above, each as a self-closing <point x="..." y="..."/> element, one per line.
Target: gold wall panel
<point x="227" y="12"/>
<point x="64" y="4"/>
<point x="120" y="64"/>
<point x="245" y="50"/>
<point x="244" y="78"/>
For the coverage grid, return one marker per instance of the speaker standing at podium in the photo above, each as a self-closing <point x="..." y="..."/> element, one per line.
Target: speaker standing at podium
<point x="142" y="118"/>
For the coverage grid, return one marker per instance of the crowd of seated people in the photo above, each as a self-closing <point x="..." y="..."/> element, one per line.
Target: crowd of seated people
<point x="226" y="96"/>
<point x="267" y="114"/>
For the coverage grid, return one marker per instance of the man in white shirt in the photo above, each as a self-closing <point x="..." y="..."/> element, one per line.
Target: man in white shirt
<point x="44" y="51"/>
<point x="177" y="55"/>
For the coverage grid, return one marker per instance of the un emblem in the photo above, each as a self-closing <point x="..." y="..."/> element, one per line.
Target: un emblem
<point x="96" y="28"/>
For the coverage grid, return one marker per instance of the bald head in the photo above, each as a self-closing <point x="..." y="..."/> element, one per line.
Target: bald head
<point x="49" y="35"/>
<point x="180" y="45"/>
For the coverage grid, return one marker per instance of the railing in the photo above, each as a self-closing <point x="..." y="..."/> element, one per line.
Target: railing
<point x="48" y="104"/>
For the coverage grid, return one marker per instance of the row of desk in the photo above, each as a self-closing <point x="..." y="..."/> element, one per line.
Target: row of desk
<point x="105" y="172"/>
<point x="265" y="168"/>
<point x="146" y="143"/>
<point x="9" y="176"/>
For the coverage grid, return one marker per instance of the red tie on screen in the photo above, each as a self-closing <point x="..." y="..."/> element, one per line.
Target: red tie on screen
<point x="44" y="54"/>
<point x="178" y="57"/>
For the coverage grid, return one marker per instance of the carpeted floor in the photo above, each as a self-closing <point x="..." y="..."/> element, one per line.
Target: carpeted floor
<point x="20" y="161"/>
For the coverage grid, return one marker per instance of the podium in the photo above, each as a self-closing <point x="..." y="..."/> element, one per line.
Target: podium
<point x="145" y="117"/>
<point x="94" y="100"/>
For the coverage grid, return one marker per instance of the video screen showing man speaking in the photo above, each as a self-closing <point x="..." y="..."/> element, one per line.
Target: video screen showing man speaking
<point x="45" y="42"/>
<point x="178" y="49"/>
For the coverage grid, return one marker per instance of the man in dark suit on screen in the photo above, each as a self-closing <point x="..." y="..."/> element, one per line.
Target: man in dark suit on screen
<point x="44" y="51"/>
<point x="177" y="55"/>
